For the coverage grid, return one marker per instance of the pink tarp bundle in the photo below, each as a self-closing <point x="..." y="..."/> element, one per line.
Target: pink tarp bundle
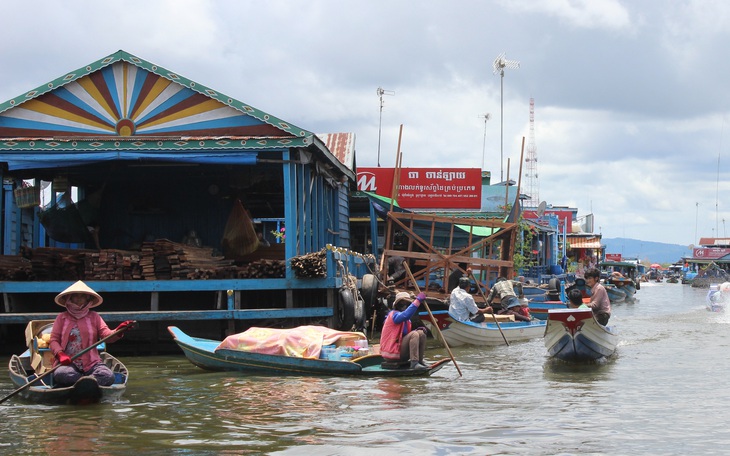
<point x="301" y="342"/>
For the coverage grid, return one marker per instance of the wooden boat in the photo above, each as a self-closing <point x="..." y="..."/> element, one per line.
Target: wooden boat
<point x="540" y="310"/>
<point x="575" y="335"/>
<point x="205" y="354"/>
<point x="487" y="333"/>
<point x="615" y="294"/>
<point x="85" y="391"/>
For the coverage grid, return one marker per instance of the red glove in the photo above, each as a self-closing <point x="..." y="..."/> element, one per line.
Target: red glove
<point x="63" y="358"/>
<point x="421" y="297"/>
<point x="127" y="324"/>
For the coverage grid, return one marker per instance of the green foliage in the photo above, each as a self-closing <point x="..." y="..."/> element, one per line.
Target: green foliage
<point x="522" y="257"/>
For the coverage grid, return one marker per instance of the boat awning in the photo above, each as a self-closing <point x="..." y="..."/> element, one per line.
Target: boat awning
<point x="584" y="242"/>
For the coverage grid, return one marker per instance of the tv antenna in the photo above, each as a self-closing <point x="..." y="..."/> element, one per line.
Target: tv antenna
<point x="486" y="117"/>
<point x="500" y="63"/>
<point x="380" y="93"/>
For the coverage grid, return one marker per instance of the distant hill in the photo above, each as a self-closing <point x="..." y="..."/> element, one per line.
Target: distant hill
<point x="654" y="252"/>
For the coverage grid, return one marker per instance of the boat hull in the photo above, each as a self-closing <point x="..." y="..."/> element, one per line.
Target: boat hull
<point x="457" y="333"/>
<point x="540" y="310"/>
<point x="203" y="353"/>
<point x="84" y="391"/>
<point x="574" y="335"/>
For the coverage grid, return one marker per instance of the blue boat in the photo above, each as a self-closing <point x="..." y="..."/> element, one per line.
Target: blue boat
<point x="205" y="354"/>
<point x="85" y="391"/>
<point x="575" y="335"/>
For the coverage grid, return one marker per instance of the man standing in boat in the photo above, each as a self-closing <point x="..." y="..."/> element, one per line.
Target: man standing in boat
<point x="600" y="304"/>
<point x="503" y="290"/>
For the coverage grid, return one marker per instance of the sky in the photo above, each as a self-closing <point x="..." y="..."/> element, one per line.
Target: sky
<point x="631" y="98"/>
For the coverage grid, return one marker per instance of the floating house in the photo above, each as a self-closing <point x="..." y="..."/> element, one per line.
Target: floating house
<point x="174" y="201"/>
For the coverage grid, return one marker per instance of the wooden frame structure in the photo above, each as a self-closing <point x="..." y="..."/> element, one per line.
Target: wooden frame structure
<point x="488" y="256"/>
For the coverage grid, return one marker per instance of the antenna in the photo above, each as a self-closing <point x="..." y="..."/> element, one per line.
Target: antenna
<point x="486" y="117"/>
<point x="500" y="63"/>
<point x="380" y="93"/>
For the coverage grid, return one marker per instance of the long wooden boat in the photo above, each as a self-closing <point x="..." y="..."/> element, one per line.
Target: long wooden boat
<point x="205" y="354"/>
<point x="575" y="335"/>
<point x="487" y="333"/>
<point x="85" y="391"/>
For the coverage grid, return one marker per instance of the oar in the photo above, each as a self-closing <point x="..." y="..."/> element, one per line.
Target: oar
<point x="479" y="287"/>
<point x="37" y="379"/>
<point x="433" y="319"/>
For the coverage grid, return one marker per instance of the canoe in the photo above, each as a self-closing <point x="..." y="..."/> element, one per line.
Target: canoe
<point x="575" y="335"/>
<point x="540" y="310"/>
<point x="85" y="391"/>
<point x="205" y="354"/>
<point x="487" y="333"/>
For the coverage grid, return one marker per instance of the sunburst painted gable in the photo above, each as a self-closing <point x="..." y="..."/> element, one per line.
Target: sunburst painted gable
<point x="123" y="96"/>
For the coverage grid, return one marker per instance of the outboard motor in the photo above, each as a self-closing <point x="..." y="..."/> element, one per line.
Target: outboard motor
<point x="553" y="293"/>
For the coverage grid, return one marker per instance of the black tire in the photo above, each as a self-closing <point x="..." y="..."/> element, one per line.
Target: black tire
<point x="554" y="284"/>
<point x="369" y="292"/>
<point x="344" y="311"/>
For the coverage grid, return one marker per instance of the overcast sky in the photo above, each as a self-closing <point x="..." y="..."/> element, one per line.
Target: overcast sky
<point x="631" y="97"/>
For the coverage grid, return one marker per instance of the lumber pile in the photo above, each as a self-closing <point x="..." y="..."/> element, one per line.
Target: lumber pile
<point x="261" y="269"/>
<point x="163" y="259"/>
<point x="53" y="263"/>
<point x="111" y="264"/>
<point x="16" y="268"/>
<point x="310" y="265"/>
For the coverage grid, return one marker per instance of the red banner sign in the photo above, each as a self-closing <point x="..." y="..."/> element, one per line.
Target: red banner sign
<point x="426" y="188"/>
<point x="613" y="257"/>
<point x="709" y="253"/>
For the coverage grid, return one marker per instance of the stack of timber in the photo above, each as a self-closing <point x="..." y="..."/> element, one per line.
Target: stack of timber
<point x="310" y="265"/>
<point x="113" y="265"/>
<point x="16" y="268"/>
<point x="163" y="259"/>
<point x="53" y="263"/>
<point x="158" y="260"/>
<point x="262" y="269"/>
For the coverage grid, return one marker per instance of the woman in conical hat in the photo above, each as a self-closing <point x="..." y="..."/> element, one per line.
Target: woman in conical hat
<point x="76" y="329"/>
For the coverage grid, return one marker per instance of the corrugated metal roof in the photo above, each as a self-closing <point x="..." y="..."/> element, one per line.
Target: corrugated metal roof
<point x="584" y="242"/>
<point x="342" y="146"/>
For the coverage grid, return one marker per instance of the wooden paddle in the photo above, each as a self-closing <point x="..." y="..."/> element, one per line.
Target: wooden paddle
<point x="479" y="287"/>
<point x="82" y="352"/>
<point x="433" y="319"/>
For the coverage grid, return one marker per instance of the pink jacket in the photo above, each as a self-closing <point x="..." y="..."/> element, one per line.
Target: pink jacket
<point x="397" y="324"/>
<point x="92" y="328"/>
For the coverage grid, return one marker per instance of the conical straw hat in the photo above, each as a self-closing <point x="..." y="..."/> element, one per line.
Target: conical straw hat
<point x="79" y="287"/>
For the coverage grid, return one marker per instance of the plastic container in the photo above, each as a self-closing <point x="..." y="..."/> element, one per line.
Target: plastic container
<point x="346" y="357"/>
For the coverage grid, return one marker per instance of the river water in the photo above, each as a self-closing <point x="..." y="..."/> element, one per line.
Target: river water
<point x="665" y="392"/>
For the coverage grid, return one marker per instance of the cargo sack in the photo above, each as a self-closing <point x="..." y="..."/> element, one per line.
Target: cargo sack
<point x="239" y="234"/>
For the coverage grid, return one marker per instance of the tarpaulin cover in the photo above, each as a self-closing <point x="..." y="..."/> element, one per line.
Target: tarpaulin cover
<point x="300" y="342"/>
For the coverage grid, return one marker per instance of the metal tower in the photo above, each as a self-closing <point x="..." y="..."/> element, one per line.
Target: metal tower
<point x="533" y="186"/>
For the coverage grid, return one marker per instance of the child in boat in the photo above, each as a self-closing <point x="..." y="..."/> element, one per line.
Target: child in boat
<point x="399" y="341"/>
<point x="514" y="309"/>
<point x="76" y="329"/>
<point x="575" y="299"/>
<point x="524" y="308"/>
